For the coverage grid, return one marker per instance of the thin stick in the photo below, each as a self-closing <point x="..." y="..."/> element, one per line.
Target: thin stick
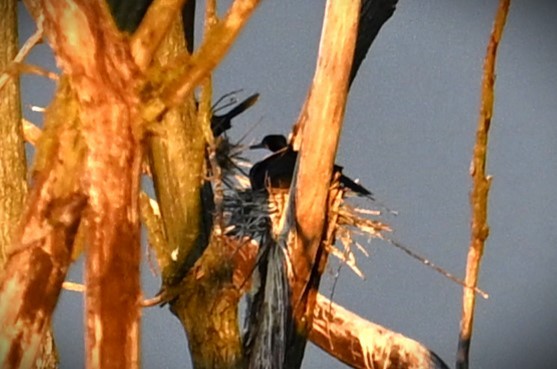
<point x="436" y="268"/>
<point x="36" y="70"/>
<point x="481" y="183"/>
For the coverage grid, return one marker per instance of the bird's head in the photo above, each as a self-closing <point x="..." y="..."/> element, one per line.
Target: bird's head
<point x="271" y="142"/>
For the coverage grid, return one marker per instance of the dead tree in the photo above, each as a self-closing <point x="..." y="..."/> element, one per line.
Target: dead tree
<point x="125" y="106"/>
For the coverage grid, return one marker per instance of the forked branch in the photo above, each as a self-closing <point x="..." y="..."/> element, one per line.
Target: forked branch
<point x="215" y="46"/>
<point x="152" y="30"/>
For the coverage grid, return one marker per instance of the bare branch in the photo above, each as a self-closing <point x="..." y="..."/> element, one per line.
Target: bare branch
<point x="363" y="344"/>
<point x="215" y="46"/>
<point x="373" y="15"/>
<point x="34" y="39"/>
<point x="481" y="184"/>
<point x="151" y="218"/>
<point x="196" y="270"/>
<point x="36" y="70"/>
<point x="176" y="157"/>
<point x="320" y="134"/>
<point x="72" y="286"/>
<point x="13" y="172"/>
<point x="322" y="129"/>
<point x="152" y="30"/>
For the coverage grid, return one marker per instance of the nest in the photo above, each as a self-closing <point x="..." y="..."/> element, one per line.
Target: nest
<point x="256" y="215"/>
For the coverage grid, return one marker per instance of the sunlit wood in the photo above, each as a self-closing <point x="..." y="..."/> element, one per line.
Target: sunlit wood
<point x="480" y="189"/>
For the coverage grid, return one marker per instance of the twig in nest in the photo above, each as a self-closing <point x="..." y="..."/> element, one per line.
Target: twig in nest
<point x="230" y="160"/>
<point x="351" y="222"/>
<point x="246" y="214"/>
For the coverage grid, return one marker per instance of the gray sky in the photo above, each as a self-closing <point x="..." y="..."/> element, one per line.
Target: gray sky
<point x="408" y="136"/>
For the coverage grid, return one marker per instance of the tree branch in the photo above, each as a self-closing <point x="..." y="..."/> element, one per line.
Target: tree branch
<point x="373" y="15"/>
<point x="13" y="171"/>
<point x="98" y="62"/>
<point x="195" y="267"/>
<point x="176" y="157"/>
<point x="41" y="248"/>
<point x="320" y="134"/>
<point x="215" y="46"/>
<point x="480" y="189"/>
<point x="363" y="344"/>
<point x="153" y="28"/>
<point x="7" y="67"/>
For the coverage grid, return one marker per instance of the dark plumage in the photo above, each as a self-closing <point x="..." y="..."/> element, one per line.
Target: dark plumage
<point x="277" y="169"/>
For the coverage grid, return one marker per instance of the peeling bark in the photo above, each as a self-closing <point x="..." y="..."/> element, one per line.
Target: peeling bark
<point x="363" y="344"/>
<point x="98" y="62"/>
<point x="208" y="309"/>
<point x="41" y="249"/>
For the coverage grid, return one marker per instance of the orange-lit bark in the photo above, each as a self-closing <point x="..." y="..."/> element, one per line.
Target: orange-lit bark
<point x="480" y="189"/>
<point x="100" y="69"/>
<point x="41" y="248"/>
<point x="324" y="111"/>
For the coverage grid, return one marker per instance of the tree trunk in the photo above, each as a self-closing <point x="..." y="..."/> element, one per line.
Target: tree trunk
<point x="13" y="169"/>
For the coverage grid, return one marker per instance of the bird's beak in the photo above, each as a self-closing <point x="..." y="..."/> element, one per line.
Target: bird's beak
<point x="257" y="146"/>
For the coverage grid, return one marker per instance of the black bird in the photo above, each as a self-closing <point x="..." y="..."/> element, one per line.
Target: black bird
<point x="277" y="169"/>
<point x="222" y="123"/>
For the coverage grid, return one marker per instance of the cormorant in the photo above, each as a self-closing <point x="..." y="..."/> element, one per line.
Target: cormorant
<point x="277" y="169"/>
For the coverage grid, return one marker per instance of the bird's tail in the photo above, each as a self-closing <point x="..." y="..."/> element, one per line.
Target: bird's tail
<point x="355" y="187"/>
